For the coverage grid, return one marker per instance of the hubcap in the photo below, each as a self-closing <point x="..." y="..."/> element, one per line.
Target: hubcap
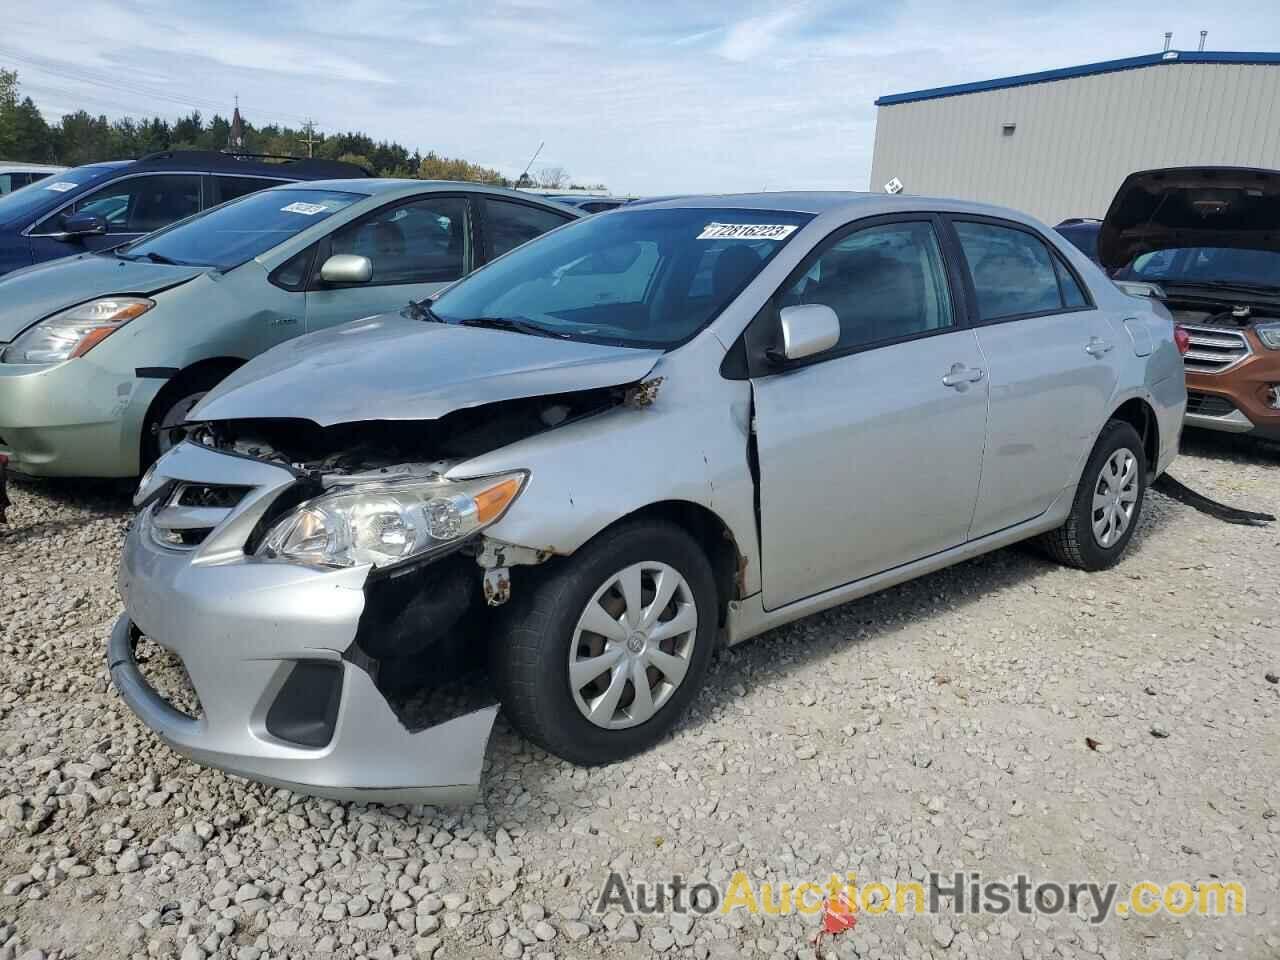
<point x="632" y="645"/>
<point x="166" y="435"/>
<point x="1114" y="497"/>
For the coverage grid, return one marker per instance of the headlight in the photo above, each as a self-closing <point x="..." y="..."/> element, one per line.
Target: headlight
<point x="387" y="523"/>
<point x="74" y="332"/>
<point x="1269" y="334"/>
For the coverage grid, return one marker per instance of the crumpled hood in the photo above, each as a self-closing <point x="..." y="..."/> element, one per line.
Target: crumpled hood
<point x="1191" y="207"/>
<point x="33" y="293"/>
<point x="394" y="367"/>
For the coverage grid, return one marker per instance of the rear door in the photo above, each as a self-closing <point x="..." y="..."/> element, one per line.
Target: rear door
<point x="1052" y="359"/>
<point x="870" y="453"/>
<point x="416" y="246"/>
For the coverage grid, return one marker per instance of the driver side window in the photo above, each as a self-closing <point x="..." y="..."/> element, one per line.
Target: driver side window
<point x="884" y="283"/>
<point x="143" y="204"/>
<point x="425" y="241"/>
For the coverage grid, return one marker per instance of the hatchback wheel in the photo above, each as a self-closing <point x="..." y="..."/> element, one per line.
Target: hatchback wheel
<point x="598" y="660"/>
<point x="162" y="430"/>
<point x="1107" y="504"/>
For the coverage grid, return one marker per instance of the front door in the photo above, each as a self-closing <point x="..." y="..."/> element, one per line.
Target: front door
<point x="416" y="247"/>
<point x="1051" y="359"/>
<point x="870" y="454"/>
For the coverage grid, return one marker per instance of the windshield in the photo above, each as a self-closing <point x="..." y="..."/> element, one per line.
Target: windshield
<point x="641" y="278"/>
<point x="37" y="197"/>
<point x="1198" y="265"/>
<point x="228" y="235"/>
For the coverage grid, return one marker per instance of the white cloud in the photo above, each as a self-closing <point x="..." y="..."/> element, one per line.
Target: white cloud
<point x="748" y="38"/>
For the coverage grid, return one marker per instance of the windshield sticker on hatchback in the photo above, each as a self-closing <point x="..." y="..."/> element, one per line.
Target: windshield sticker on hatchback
<point x="62" y="186"/>
<point x="306" y="209"/>
<point x="746" y="231"/>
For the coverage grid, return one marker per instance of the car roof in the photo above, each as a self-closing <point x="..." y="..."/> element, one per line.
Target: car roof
<point x="850" y="203"/>
<point x="391" y="188"/>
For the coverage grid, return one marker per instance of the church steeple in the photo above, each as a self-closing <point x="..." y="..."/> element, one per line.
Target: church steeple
<point x="235" y="139"/>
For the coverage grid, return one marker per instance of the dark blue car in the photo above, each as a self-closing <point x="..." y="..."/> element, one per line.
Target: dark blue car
<point x="103" y="205"/>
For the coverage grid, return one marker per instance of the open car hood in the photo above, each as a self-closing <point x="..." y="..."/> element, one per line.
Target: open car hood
<point x="1191" y="207"/>
<point x="394" y="367"/>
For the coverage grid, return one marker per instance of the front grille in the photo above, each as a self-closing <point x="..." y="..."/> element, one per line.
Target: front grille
<point x="1208" y="405"/>
<point x="167" y="675"/>
<point x="191" y="512"/>
<point x="1214" y="349"/>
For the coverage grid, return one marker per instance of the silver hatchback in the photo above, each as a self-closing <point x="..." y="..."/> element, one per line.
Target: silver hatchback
<point x="582" y="468"/>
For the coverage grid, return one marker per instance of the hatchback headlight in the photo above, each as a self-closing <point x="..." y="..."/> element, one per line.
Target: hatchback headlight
<point x="387" y="523"/>
<point x="1269" y="334"/>
<point x="74" y="332"/>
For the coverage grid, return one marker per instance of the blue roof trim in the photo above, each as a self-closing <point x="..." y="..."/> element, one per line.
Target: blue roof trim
<point x="1085" y="70"/>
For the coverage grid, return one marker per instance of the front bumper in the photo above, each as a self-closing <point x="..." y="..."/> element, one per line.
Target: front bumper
<point x="73" y="419"/>
<point x="241" y="627"/>
<point x="1238" y="400"/>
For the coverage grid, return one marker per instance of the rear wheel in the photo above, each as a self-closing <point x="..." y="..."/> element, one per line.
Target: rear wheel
<point x="600" y="659"/>
<point x="1107" y="505"/>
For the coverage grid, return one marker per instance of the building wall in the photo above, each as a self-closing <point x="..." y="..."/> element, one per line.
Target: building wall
<point x="1077" y="139"/>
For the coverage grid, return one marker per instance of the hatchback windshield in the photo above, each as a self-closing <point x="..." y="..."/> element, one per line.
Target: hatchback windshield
<point x="37" y="197"/>
<point x="641" y="277"/>
<point x="241" y="230"/>
<point x="1199" y="265"/>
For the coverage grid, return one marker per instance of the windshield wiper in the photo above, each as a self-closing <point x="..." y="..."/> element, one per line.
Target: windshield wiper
<point x="514" y="324"/>
<point x="420" y="311"/>
<point x="161" y="258"/>
<point x="1237" y="286"/>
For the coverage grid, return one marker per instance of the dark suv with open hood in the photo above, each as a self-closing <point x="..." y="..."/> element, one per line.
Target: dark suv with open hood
<point x="1207" y="241"/>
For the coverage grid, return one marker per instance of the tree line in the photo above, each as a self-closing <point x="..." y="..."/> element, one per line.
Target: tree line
<point x="81" y="137"/>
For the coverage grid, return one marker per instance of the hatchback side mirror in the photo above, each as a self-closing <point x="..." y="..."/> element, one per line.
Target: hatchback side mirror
<point x="347" y="268"/>
<point x="807" y="329"/>
<point x="83" y="225"/>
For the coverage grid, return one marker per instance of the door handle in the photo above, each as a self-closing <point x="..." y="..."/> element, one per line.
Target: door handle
<point x="960" y="374"/>
<point x="1097" y="347"/>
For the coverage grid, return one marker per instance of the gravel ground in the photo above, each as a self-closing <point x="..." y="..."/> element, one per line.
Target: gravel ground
<point x="941" y="725"/>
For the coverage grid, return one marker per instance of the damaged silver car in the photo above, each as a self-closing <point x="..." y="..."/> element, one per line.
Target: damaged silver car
<point x="637" y="437"/>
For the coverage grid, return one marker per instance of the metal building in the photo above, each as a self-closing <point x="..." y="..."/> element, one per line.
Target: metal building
<point x="1057" y="144"/>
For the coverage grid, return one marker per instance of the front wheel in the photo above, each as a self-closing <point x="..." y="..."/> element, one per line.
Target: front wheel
<point x="598" y="661"/>
<point x="1107" y="505"/>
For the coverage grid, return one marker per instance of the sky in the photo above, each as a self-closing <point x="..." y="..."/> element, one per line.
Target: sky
<point x="646" y="97"/>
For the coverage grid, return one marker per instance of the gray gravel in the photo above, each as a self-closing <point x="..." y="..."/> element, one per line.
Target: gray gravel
<point x="1006" y="715"/>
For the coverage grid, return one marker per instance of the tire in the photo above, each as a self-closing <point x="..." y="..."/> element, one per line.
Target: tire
<point x="535" y="640"/>
<point x="170" y="407"/>
<point x="1077" y="543"/>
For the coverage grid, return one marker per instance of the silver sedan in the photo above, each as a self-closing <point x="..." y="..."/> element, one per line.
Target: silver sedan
<point x="642" y="435"/>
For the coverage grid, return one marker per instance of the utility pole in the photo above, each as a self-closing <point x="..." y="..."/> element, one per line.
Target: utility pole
<point x="310" y="139"/>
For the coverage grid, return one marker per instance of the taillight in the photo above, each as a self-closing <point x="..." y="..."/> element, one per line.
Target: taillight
<point x="1182" y="339"/>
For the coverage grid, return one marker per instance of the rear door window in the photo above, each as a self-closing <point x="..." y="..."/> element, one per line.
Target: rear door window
<point x="1013" y="272"/>
<point x="229" y="188"/>
<point x="509" y="224"/>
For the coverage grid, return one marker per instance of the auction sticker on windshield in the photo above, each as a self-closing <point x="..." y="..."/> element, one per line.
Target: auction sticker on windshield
<point x="62" y="186"/>
<point x="306" y="209"/>
<point x="747" y="231"/>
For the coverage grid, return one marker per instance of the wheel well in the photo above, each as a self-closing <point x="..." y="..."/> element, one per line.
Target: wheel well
<point x="711" y="533"/>
<point x="214" y="367"/>
<point x="1139" y="415"/>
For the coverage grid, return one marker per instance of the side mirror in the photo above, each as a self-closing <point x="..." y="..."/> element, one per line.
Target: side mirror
<point x="83" y="225"/>
<point x="347" y="268"/>
<point x="807" y="329"/>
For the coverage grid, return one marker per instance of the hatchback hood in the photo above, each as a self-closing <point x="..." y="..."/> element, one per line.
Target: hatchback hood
<point x="1191" y="207"/>
<point x="393" y="367"/>
<point x="33" y="293"/>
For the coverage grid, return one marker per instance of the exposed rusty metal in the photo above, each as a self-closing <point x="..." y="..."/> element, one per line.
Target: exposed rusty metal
<point x="642" y="394"/>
